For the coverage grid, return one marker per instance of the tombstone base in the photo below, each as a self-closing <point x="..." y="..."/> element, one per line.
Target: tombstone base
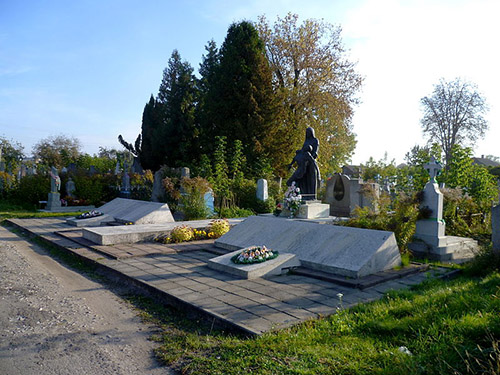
<point x="53" y="201"/>
<point x="310" y="210"/>
<point x="451" y="249"/>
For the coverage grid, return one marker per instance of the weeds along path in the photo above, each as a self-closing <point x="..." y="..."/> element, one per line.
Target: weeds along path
<point x="55" y="321"/>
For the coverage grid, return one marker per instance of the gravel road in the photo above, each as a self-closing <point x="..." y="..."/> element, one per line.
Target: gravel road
<point x="56" y="321"/>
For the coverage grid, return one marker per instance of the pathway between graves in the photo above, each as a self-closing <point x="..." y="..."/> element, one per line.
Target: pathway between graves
<point x="179" y="275"/>
<point x="55" y="321"/>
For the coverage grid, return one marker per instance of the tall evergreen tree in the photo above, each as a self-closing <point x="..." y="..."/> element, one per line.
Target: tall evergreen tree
<point x="176" y="103"/>
<point x="240" y="100"/>
<point x="152" y="152"/>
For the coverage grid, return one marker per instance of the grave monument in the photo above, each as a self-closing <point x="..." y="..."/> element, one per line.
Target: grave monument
<point x="495" y="228"/>
<point x="54" y="198"/>
<point x="307" y="178"/>
<point x="344" y="194"/>
<point x="70" y="188"/>
<point x="262" y="192"/>
<point x="338" y="250"/>
<point x="430" y="240"/>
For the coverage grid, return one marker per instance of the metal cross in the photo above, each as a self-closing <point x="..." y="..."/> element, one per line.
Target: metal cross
<point x="433" y="167"/>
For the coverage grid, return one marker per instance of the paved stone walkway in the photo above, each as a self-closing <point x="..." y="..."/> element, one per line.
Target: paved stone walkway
<point x="179" y="275"/>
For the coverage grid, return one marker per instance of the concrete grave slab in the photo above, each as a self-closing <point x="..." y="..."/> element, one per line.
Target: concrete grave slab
<point x="91" y="221"/>
<point x="135" y="211"/>
<point x="252" y="271"/>
<point x="351" y="252"/>
<point x="113" y="235"/>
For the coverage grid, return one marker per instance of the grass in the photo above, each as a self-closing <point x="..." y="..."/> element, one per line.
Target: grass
<point x="450" y="327"/>
<point x="15" y="211"/>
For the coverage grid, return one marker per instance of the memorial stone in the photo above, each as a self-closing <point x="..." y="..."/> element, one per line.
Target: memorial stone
<point x="495" y="228"/>
<point x="117" y="168"/>
<point x="70" y="188"/>
<point x="208" y="197"/>
<point x="429" y="240"/>
<point x="185" y="173"/>
<point x="344" y="194"/>
<point x="262" y="193"/>
<point x="345" y="251"/>
<point x="158" y="193"/>
<point x="54" y="198"/>
<point x="136" y="166"/>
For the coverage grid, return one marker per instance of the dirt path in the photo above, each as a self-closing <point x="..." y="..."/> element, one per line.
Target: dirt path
<point x="56" y="321"/>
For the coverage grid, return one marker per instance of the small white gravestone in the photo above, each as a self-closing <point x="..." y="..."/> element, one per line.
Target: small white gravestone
<point x="262" y="193"/>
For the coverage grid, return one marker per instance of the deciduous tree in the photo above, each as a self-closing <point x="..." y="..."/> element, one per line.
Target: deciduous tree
<point x="316" y="82"/>
<point x="57" y="151"/>
<point x="454" y="114"/>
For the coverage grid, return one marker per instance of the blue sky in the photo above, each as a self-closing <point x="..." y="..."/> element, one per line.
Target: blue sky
<point x="87" y="68"/>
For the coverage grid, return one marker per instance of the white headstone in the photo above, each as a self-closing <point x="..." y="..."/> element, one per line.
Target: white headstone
<point x="262" y="193"/>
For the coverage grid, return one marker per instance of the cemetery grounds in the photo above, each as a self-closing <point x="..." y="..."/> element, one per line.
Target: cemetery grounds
<point x="436" y="327"/>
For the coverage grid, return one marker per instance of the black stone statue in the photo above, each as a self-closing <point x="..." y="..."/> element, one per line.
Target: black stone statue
<point x="307" y="176"/>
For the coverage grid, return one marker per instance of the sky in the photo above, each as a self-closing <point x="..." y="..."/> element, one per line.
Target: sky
<point x="86" y="68"/>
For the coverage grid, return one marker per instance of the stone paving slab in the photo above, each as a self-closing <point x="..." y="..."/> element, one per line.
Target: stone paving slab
<point x="252" y="306"/>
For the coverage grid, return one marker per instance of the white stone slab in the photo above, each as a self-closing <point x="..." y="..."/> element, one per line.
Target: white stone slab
<point x="346" y="251"/>
<point x="274" y="266"/>
<point x="91" y="221"/>
<point x="137" y="212"/>
<point x="112" y="235"/>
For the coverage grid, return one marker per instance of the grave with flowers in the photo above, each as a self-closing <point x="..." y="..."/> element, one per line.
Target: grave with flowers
<point x="297" y="205"/>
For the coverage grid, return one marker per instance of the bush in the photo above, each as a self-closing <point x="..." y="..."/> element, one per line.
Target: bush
<point x="181" y="233"/>
<point x="96" y="189"/>
<point x="235" y="212"/>
<point x="217" y="228"/>
<point x="7" y="185"/>
<point x="193" y="201"/>
<point x="32" y="189"/>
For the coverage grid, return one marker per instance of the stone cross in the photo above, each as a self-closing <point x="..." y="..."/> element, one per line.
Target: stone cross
<point x="433" y="167"/>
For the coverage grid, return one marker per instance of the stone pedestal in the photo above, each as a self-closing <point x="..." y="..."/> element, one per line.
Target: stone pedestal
<point x="53" y="201"/>
<point x="310" y="210"/>
<point x="495" y="228"/>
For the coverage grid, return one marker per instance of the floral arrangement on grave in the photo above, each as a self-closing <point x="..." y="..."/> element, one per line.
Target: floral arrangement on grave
<point x="254" y="254"/>
<point x="293" y="199"/>
<point x="89" y="214"/>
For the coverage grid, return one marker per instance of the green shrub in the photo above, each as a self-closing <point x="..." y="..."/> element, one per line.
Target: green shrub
<point x="193" y="200"/>
<point x="32" y="189"/>
<point x="235" y="212"/>
<point x="97" y="189"/>
<point x="7" y="185"/>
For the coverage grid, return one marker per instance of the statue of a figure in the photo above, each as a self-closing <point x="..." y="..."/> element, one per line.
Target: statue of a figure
<point x="55" y="180"/>
<point x="307" y="176"/>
